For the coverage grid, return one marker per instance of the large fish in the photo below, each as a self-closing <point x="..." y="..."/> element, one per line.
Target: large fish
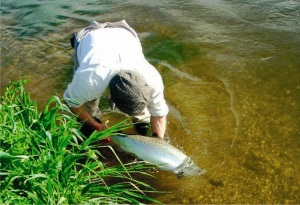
<point x="158" y="152"/>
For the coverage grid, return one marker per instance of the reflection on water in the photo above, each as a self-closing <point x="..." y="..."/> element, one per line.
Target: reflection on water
<point x="232" y="81"/>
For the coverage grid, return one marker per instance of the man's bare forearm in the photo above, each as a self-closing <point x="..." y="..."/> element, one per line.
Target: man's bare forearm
<point x="86" y="118"/>
<point x="158" y="125"/>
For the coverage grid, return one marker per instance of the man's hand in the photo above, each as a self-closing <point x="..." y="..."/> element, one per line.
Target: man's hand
<point x="158" y="125"/>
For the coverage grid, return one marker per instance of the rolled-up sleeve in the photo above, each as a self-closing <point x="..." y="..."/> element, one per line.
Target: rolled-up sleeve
<point x="157" y="105"/>
<point x="73" y="95"/>
<point x="70" y="99"/>
<point x="84" y="87"/>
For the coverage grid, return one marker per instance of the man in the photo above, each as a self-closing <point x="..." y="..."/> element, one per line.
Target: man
<point x="110" y="55"/>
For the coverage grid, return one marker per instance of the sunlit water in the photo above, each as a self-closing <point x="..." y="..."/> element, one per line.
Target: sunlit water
<point x="232" y="80"/>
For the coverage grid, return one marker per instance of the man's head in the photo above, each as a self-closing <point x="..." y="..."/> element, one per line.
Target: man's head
<point x="130" y="92"/>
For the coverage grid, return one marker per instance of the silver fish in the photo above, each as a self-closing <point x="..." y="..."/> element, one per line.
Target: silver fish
<point x="158" y="152"/>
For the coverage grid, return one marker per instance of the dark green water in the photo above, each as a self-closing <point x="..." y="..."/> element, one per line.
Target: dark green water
<point x="232" y="80"/>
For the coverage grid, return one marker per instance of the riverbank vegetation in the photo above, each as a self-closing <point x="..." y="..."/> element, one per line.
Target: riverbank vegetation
<point x="45" y="159"/>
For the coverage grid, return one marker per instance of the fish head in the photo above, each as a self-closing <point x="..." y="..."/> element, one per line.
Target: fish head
<point x="188" y="168"/>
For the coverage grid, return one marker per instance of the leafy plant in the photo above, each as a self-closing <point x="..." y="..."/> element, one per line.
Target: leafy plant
<point x="45" y="159"/>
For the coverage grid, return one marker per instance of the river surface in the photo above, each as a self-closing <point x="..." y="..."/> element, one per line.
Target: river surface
<point x="232" y="81"/>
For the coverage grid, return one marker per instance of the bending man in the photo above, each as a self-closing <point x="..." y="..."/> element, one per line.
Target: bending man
<point x="110" y="55"/>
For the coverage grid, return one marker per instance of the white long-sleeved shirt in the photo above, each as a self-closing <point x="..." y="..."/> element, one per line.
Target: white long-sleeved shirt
<point x="101" y="54"/>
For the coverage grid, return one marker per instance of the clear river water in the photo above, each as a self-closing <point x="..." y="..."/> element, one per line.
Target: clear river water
<point x="231" y="71"/>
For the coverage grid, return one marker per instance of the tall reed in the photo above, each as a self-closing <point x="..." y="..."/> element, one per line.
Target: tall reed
<point x="45" y="159"/>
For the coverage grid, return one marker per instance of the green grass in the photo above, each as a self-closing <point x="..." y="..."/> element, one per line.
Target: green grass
<point x="45" y="159"/>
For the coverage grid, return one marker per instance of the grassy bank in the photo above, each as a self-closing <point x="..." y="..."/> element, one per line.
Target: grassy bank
<point x="45" y="159"/>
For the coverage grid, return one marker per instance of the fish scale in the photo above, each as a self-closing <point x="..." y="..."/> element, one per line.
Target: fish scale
<point x="157" y="152"/>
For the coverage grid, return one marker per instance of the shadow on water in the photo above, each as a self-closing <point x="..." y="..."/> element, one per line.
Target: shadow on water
<point x="231" y="82"/>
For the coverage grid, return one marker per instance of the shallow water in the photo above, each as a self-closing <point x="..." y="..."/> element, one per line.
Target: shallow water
<point x="232" y="81"/>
